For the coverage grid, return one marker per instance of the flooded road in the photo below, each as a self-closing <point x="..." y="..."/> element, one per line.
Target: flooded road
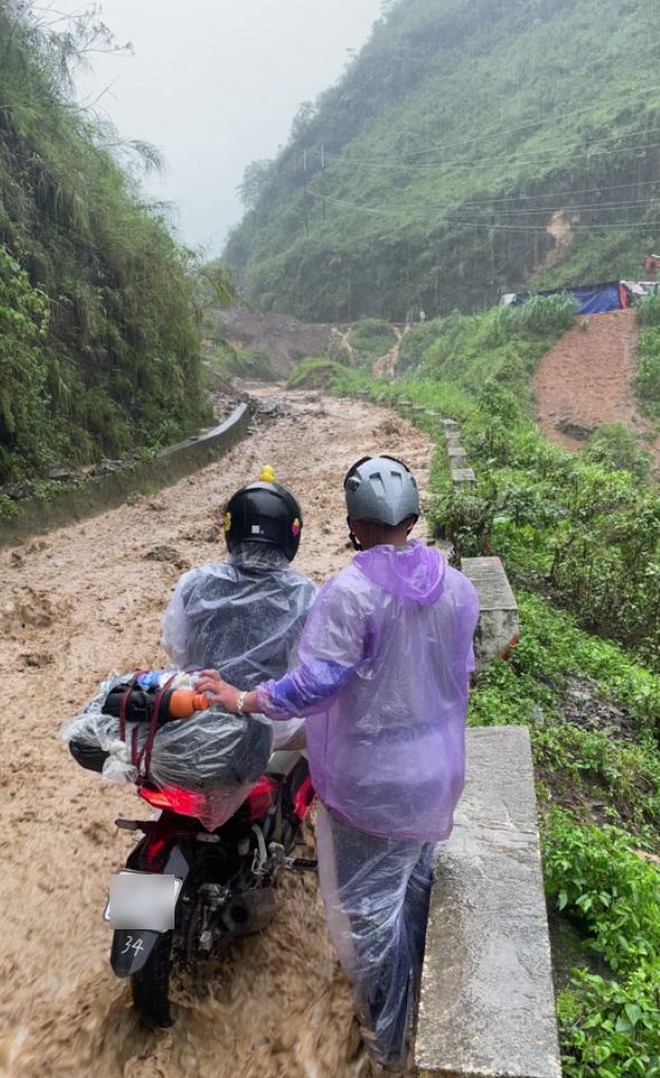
<point x="76" y="604"/>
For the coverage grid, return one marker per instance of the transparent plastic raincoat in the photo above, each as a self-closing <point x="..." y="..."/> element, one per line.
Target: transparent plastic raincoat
<point x="242" y="617"/>
<point x="384" y="665"/>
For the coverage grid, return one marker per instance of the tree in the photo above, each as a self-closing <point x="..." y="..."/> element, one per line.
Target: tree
<point x="25" y="434"/>
<point x="255" y="179"/>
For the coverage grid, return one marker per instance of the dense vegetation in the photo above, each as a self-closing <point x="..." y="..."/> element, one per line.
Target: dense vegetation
<point x="648" y="356"/>
<point x="98" y="329"/>
<point x="468" y="141"/>
<point x="580" y="539"/>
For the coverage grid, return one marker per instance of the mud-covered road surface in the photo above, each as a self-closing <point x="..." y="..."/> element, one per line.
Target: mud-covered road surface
<point x="75" y="605"/>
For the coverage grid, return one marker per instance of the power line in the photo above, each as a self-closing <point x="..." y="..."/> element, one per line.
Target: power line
<point x="527" y="211"/>
<point x="568" y="208"/>
<point x="539" y="122"/>
<point x="407" y="217"/>
<point x="563" y="194"/>
<point x="566" y="193"/>
<point x="597" y="147"/>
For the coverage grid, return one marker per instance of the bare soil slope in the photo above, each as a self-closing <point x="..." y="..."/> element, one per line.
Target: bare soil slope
<point x="587" y="379"/>
<point x="284" y="339"/>
<point x="77" y="604"/>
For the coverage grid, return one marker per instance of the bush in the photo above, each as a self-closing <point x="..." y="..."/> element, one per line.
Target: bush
<point x="502" y="345"/>
<point x="249" y="363"/>
<point x="99" y="320"/>
<point x="615" y="447"/>
<point x="648" y="354"/>
<point x="585" y="533"/>
<point x="415" y="342"/>
<point x="648" y="310"/>
<point x="543" y="316"/>
<point x="647" y="382"/>
<point x="318" y="373"/>
<point x="596" y="876"/>
<point x="609" y="1027"/>
<point x="370" y="338"/>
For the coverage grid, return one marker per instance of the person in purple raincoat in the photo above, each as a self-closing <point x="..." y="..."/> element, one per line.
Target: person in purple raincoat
<point x="383" y="672"/>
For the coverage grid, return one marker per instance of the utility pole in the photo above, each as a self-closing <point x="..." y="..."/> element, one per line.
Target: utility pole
<point x="305" y="188"/>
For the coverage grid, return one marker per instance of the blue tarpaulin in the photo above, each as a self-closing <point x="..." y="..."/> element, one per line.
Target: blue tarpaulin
<point x="600" y="298"/>
<point x="595" y="299"/>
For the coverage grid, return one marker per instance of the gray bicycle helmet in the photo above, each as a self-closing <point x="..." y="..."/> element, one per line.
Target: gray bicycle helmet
<point x="381" y="489"/>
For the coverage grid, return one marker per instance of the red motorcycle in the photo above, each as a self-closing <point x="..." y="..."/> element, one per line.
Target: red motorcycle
<point x="188" y="888"/>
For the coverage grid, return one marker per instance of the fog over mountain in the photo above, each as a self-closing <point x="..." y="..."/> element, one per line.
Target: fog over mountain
<point x="215" y="86"/>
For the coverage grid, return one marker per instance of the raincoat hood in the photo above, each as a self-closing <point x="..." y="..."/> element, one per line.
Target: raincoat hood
<point x="414" y="572"/>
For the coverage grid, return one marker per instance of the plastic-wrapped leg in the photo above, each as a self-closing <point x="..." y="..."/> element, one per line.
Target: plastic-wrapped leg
<point x="416" y="908"/>
<point x="375" y="892"/>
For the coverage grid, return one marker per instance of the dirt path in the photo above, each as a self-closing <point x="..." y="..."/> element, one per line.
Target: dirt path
<point x="587" y="379"/>
<point x="75" y="605"/>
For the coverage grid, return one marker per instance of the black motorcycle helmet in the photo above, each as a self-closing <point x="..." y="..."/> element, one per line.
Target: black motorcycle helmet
<point x="264" y="512"/>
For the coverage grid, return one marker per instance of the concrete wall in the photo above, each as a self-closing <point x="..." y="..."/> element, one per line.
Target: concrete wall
<point x="108" y="491"/>
<point x="487" y="1000"/>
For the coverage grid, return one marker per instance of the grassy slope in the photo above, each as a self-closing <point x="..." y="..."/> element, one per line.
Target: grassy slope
<point x="452" y="108"/>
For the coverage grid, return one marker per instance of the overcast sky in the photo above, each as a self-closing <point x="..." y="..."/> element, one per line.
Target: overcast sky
<point x="215" y="84"/>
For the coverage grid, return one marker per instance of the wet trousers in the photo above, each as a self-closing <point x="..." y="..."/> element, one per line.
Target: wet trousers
<point x="376" y="895"/>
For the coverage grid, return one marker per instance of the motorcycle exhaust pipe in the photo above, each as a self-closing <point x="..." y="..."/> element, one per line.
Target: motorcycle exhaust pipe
<point x="249" y="912"/>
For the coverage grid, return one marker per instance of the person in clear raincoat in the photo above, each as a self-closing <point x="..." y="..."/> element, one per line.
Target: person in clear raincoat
<point x="244" y="616"/>
<point x="383" y="672"/>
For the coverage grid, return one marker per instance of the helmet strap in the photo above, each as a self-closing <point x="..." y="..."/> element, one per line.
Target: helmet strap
<point x="355" y="542"/>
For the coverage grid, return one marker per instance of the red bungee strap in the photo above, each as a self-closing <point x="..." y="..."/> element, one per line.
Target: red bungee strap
<point x="124" y="702"/>
<point x="143" y="759"/>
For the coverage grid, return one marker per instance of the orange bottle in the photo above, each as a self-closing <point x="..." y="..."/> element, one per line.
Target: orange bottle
<point x="182" y="703"/>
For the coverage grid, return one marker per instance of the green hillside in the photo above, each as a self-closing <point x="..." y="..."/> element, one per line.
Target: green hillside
<point x="471" y="148"/>
<point x="98" y="329"/>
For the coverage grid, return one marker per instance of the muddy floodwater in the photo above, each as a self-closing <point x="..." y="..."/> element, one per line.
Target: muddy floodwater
<point x="75" y="605"/>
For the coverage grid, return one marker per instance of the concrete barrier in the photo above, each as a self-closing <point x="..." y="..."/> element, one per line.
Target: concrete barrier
<point x="462" y="476"/>
<point x="499" y="625"/>
<point x="108" y="491"/>
<point x="487" y="1003"/>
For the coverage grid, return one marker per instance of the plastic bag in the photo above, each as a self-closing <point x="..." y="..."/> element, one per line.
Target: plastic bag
<point x="214" y="756"/>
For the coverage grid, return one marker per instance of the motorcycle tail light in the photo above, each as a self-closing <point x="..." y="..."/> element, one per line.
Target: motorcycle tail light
<point x="211" y="807"/>
<point x="155" y="797"/>
<point x="183" y="802"/>
<point x="260" y="798"/>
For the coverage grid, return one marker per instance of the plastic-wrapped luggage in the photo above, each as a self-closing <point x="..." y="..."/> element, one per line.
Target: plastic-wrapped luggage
<point x="213" y="756"/>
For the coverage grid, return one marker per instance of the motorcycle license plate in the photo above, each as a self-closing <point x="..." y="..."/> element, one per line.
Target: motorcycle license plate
<point x="142" y="900"/>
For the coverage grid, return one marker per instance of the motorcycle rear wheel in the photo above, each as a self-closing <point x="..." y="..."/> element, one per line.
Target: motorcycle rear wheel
<point x="150" y="987"/>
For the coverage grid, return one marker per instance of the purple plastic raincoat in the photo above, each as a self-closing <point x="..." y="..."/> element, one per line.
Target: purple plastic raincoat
<point x="384" y="665"/>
